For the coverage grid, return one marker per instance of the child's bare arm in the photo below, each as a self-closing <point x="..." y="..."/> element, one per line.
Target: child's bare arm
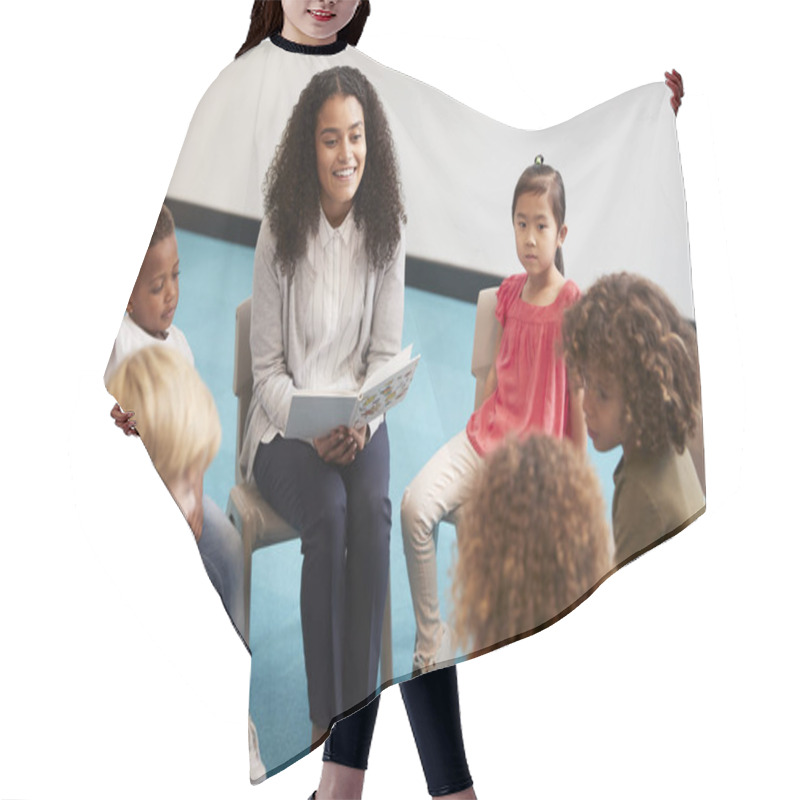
<point x="491" y="378"/>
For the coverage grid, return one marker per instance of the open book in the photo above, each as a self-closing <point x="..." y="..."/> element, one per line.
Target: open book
<point x="313" y="414"/>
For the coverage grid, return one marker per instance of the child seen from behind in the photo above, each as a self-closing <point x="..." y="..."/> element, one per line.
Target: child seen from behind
<point x="179" y="425"/>
<point x="177" y="420"/>
<point x="532" y="541"/>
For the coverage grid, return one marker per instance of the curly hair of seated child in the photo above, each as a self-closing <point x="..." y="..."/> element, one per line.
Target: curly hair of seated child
<point x="533" y="542"/>
<point x="636" y="357"/>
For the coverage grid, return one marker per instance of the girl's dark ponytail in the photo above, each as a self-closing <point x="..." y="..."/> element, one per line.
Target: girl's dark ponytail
<point x="559" y="260"/>
<point x="266" y="18"/>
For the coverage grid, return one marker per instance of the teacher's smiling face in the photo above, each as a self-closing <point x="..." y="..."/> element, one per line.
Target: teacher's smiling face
<point x="341" y="154"/>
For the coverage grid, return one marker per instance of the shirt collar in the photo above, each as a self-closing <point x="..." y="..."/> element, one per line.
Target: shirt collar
<point x="311" y="50"/>
<point x="327" y="233"/>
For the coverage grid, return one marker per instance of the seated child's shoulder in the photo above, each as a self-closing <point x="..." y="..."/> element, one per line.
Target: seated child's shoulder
<point x="508" y="291"/>
<point x="570" y="292"/>
<point x="181" y="343"/>
<point x="511" y="288"/>
<point x="130" y="337"/>
<point x="512" y="282"/>
<point x="636" y="517"/>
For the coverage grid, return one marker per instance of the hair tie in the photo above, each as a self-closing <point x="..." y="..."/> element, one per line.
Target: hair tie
<point x="538" y="161"/>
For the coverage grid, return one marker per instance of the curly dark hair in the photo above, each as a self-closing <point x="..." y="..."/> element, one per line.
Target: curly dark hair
<point x="291" y="186"/>
<point x="266" y="18"/>
<point x="533" y="541"/>
<point x="627" y="327"/>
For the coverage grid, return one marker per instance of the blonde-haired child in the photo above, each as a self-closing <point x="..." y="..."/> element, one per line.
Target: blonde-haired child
<point x="532" y="541"/>
<point x="179" y="425"/>
<point x="637" y="359"/>
<point x="177" y="420"/>
<point x="527" y="391"/>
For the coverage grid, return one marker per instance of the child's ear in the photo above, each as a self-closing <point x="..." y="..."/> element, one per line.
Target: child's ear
<point x="562" y="234"/>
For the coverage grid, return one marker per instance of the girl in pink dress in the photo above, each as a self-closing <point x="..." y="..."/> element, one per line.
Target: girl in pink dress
<point x="527" y="391"/>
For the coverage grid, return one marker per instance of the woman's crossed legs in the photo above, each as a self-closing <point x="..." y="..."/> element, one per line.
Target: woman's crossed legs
<point x="343" y="515"/>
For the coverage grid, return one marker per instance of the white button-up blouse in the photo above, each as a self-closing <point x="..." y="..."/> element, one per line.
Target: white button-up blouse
<point x="336" y="322"/>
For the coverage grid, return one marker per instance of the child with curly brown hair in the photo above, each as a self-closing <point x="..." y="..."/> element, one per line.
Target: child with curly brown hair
<point x="637" y="360"/>
<point x="548" y="547"/>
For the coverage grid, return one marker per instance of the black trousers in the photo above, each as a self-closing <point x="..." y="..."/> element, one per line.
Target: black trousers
<point x="344" y="517"/>
<point x="432" y="706"/>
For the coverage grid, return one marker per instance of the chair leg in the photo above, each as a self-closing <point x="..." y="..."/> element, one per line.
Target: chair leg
<point x="247" y="545"/>
<point x="248" y="568"/>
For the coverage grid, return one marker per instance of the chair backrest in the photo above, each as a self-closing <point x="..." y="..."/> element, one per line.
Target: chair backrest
<point x="242" y="375"/>
<point x="487" y="329"/>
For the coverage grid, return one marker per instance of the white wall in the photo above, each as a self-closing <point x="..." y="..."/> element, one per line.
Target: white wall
<point x="619" y="161"/>
<point x="677" y="679"/>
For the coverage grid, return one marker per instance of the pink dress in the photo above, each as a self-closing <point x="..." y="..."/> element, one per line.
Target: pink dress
<point x="532" y="393"/>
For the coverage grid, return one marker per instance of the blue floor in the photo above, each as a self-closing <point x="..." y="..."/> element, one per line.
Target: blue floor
<point x="215" y="277"/>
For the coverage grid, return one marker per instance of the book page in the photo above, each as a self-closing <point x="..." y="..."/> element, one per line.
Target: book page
<point x="381" y="398"/>
<point x="393" y="365"/>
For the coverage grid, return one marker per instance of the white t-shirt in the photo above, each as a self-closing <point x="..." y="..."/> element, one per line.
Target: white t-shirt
<point x="132" y="338"/>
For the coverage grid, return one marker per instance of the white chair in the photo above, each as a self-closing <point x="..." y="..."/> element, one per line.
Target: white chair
<point x="257" y="522"/>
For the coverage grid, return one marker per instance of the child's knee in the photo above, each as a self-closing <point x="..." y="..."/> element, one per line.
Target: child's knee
<point x="412" y="515"/>
<point x="406" y="506"/>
